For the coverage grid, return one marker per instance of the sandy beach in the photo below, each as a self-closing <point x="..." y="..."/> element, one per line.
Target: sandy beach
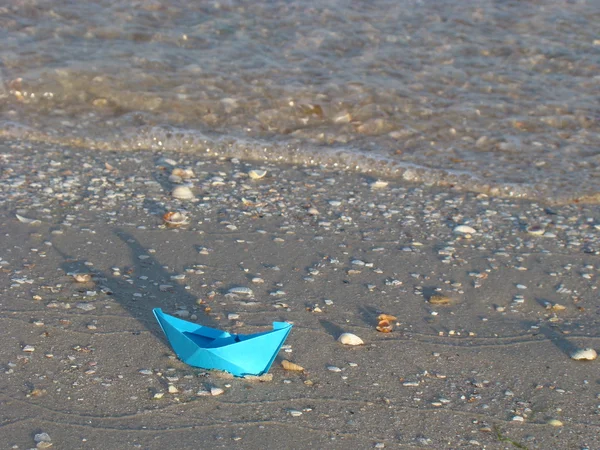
<point x="480" y="356"/>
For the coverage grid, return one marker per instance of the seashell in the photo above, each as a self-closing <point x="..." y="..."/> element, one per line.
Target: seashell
<point x="384" y="326"/>
<point x="464" y="229"/>
<point x="379" y="184"/>
<point x="175" y="219"/>
<point x="241" y="291"/>
<point x="257" y="174"/>
<point x="350" y="339"/>
<point x="182" y="173"/>
<point x="173" y="389"/>
<point x="82" y="277"/>
<point x="536" y="230"/>
<point x="438" y="299"/>
<point x="27" y="220"/>
<point x="585" y="354"/>
<point x="387" y="317"/>
<point x="288" y="365"/>
<point x="182" y="193"/>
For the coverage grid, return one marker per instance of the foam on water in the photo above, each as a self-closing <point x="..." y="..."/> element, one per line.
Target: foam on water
<point x="493" y="97"/>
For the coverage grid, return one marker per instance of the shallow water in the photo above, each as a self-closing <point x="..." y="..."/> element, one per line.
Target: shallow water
<point x="497" y="97"/>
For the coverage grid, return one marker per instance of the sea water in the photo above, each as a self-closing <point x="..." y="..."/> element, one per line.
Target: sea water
<point x="499" y="97"/>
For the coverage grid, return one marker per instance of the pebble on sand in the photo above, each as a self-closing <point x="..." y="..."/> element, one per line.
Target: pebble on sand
<point x="584" y="354"/>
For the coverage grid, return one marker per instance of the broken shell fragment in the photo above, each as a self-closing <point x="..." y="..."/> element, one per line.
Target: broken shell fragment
<point x="241" y="291"/>
<point x="182" y="193"/>
<point x="387" y="317"/>
<point x="82" y="277"/>
<point x="438" y="299"/>
<point x="288" y="365"/>
<point x="350" y="339"/>
<point x="175" y="219"/>
<point x="257" y="174"/>
<point x="584" y="354"/>
<point x="182" y="173"/>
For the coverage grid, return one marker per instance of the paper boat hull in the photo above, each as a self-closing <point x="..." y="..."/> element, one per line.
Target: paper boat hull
<point x="209" y="348"/>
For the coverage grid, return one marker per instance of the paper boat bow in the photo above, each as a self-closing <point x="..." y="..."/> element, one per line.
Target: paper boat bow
<point x="208" y="348"/>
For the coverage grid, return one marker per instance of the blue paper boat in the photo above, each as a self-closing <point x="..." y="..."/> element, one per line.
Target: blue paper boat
<point x="207" y="348"/>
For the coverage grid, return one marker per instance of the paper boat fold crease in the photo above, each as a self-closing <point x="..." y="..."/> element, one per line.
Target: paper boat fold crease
<point x="209" y="348"/>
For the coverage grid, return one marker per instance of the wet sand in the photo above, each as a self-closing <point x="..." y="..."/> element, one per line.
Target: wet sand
<point x="490" y="369"/>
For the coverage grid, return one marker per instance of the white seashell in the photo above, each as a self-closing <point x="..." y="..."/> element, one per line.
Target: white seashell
<point x="257" y="174"/>
<point x="173" y="389"/>
<point x="27" y="220"/>
<point x="464" y="229"/>
<point x="241" y="291"/>
<point x="350" y="339"/>
<point x="379" y="184"/>
<point x="585" y="354"/>
<point x="182" y="193"/>
<point x="29" y="348"/>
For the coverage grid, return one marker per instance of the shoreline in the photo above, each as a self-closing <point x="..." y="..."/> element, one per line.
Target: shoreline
<point x="448" y="376"/>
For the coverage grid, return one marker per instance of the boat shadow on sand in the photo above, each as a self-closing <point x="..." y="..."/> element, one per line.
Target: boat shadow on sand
<point x="124" y="291"/>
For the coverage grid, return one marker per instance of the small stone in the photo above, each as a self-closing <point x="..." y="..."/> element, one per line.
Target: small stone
<point x="158" y="395"/>
<point x="145" y="371"/>
<point x="42" y="437"/>
<point x="29" y="349"/>
<point x="233" y="316"/>
<point x="585" y="354"/>
<point x="555" y="423"/>
<point x="295" y="413"/>
<point x="334" y="369"/>
<point x="173" y="389"/>
<point x="518" y="419"/>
